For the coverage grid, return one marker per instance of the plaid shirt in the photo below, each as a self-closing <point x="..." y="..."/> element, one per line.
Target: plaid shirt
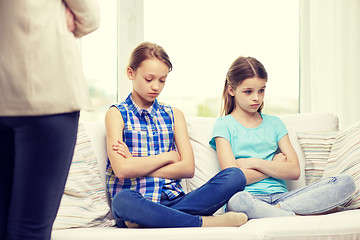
<point x="146" y="133"/>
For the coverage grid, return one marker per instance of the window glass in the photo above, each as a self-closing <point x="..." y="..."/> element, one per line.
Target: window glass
<point x="204" y="37"/>
<point x="99" y="55"/>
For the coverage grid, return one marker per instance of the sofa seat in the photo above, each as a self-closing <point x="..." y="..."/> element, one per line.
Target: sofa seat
<point x="341" y="225"/>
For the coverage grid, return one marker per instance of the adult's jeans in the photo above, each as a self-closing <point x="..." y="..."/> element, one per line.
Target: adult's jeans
<point x="183" y="211"/>
<point x="35" y="157"/>
<point x="318" y="197"/>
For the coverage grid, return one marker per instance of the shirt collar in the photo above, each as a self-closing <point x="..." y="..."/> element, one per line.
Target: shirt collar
<point x="138" y="111"/>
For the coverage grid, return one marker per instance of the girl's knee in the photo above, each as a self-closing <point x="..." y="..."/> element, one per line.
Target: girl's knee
<point x="347" y="183"/>
<point x="123" y="200"/>
<point x="343" y="184"/>
<point x="243" y="197"/>
<point x="124" y="205"/>
<point x="236" y="177"/>
<point x="240" y="201"/>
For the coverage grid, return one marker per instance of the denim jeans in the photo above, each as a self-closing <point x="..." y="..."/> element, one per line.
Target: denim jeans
<point x="35" y="154"/>
<point x="183" y="211"/>
<point x="318" y="197"/>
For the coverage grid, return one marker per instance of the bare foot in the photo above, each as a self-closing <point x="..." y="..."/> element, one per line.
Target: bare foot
<point x="132" y="225"/>
<point x="229" y="219"/>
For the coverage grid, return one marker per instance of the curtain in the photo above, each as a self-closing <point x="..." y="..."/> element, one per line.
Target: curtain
<point x="330" y="58"/>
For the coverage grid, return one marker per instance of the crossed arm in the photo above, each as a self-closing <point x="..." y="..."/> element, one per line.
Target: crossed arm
<point x="170" y="165"/>
<point x="284" y="165"/>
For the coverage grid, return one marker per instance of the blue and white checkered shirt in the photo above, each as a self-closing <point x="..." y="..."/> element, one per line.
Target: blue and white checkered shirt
<point x="146" y="133"/>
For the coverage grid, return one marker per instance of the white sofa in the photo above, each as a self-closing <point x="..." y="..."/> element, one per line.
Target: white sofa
<point x="341" y="225"/>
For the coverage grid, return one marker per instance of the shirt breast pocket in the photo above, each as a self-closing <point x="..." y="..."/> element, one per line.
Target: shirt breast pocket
<point x="166" y="139"/>
<point x="137" y="142"/>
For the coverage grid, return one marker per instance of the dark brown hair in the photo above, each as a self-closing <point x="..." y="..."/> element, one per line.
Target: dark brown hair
<point x="148" y="50"/>
<point x="242" y="68"/>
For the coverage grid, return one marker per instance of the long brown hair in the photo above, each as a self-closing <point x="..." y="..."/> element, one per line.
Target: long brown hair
<point x="148" y="50"/>
<point x="242" y="68"/>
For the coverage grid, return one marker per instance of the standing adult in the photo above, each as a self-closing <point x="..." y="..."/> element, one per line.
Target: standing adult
<point x="42" y="89"/>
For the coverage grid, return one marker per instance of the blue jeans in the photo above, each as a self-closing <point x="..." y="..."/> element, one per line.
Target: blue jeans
<point x="183" y="211"/>
<point x="318" y="197"/>
<point x="35" y="157"/>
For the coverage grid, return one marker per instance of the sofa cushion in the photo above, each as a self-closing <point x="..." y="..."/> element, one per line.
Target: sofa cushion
<point x="97" y="135"/>
<point x="316" y="147"/>
<point x="84" y="201"/>
<point x="306" y="122"/>
<point x="344" y="158"/>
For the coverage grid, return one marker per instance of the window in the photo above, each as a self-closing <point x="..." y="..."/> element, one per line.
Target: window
<point x="99" y="56"/>
<point x="204" y="37"/>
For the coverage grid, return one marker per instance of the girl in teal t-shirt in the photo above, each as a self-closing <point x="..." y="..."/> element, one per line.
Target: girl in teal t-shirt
<point x="259" y="145"/>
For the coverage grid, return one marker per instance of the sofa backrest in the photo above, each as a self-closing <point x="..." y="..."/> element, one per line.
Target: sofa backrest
<point x="206" y="164"/>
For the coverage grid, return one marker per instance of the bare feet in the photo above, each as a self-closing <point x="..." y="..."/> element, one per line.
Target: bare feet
<point x="229" y="219"/>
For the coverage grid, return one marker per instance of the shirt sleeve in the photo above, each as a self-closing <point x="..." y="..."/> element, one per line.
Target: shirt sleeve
<point x="220" y="130"/>
<point x="281" y="129"/>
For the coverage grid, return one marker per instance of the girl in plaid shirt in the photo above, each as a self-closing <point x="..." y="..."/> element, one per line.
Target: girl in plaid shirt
<point x="149" y="152"/>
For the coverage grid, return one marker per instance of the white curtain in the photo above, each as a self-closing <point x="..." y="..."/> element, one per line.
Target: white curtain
<point x="330" y="58"/>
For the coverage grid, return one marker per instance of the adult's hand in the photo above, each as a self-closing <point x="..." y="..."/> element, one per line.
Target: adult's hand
<point x="70" y="20"/>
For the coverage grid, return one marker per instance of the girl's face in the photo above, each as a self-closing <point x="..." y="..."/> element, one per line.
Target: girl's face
<point x="148" y="81"/>
<point x="249" y="95"/>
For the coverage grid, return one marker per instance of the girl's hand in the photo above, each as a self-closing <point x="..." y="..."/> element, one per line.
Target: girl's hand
<point x="173" y="156"/>
<point x="122" y="149"/>
<point x="280" y="157"/>
<point x="70" y="19"/>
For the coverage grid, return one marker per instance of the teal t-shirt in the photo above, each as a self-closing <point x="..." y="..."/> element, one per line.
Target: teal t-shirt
<point x="260" y="142"/>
